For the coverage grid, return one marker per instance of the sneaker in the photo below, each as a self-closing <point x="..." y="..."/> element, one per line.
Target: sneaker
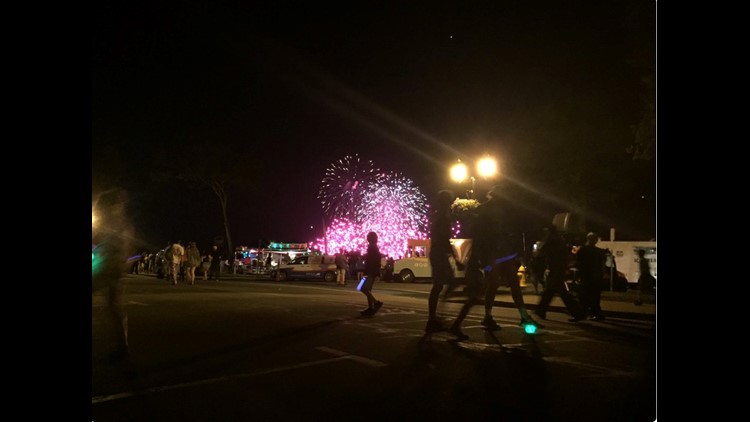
<point x="458" y="333"/>
<point x="378" y="305"/>
<point x="367" y="312"/>
<point x="576" y="319"/>
<point x="597" y="318"/>
<point x="490" y="324"/>
<point x="434" y="326"/>
<point x="529" y="320"/>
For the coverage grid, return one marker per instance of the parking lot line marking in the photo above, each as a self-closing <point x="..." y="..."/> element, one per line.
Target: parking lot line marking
<point x="340" y="356"/>
<point x="101" y="399"/>
<point x="331" y="351"/>
<point x="367" y="361"/>
<point x="600" y="370"/>
<point x="360" y="359"/>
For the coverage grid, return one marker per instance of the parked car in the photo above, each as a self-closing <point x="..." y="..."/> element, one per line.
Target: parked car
<point x="316" y="267"/>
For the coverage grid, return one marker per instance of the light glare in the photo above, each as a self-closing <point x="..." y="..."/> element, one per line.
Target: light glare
<point x="459" y="172"/>
<point x="487" y="167"/>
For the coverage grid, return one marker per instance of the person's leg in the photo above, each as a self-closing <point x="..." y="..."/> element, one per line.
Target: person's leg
<point x="442" y="273"/>
<point x="456" y="326"/>
<point x="472" y="289"/>
<point x="433" y="323"/>
<point x="490" y="292"/>
<point x="596" y="307"/>
<point x="571" y="304"/>
<point x="376" y="303"/>
<point x="492" y="283"/>
<point x="119" y="318"/>
<point x="547" y="294"/>
<point x="585" y="295"/>
<point x="432" y="300"/>
<point x="367" y="291"/>
<point x="509" y="274"/>
<point x="535" y="281"/>
<point x="371" y="302"/>
<point x="639" y="297"/>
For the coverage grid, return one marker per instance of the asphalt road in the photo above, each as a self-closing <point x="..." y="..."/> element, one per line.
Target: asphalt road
<point x="242" y="350"/>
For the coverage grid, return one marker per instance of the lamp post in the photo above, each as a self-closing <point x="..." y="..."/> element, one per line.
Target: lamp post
<point x="486" y="167"/>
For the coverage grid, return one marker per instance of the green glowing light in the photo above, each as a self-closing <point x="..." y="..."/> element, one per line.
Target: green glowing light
<point x="529" y="328"/>
<point x="96" y="262"/>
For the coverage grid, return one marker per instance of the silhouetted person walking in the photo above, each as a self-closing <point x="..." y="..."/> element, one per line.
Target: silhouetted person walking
<point x="440" y="253"/>
<point x="497" y="249"/>
<point x="372" y="270"/>
<point x="178" y="252"/>
<point x="646" y="281"/>
<point x="112" y="236"/>
<point x="555" y="251"/>
<point x="215" y="268"/>
<point x="193" y="260"/>
<point x="590" y="263"/>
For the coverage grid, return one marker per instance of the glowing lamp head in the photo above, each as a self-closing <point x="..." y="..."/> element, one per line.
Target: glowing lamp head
<point x="459" y="172"/>
<point x="487" y="167"/>
<point x="529" y="328"/>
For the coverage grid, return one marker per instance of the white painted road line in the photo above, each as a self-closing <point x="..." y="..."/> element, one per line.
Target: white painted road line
<point x="601" y="370"/>
<point x="360" y="359"/>
<point x="340" y="356"/>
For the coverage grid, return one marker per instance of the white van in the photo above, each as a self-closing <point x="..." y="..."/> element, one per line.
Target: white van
<point x="626" y="257"/>
<point x="418" y="264"/>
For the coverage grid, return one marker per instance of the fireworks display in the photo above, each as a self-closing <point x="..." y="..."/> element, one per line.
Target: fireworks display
<point x="359" y="199"/>
<point x="343" y="186"/>
<point x="395" y="209"/>
<point x="342" y="234"/>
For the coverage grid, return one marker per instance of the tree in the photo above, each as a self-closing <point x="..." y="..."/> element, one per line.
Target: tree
<point x="209" y="168"/>
<point x="221" y="171"/>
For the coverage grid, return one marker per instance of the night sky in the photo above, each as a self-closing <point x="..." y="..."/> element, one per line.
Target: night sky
<point x="280" y="90"/>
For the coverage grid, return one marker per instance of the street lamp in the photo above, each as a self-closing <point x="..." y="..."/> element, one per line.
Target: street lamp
<point x="486" y="168"/>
